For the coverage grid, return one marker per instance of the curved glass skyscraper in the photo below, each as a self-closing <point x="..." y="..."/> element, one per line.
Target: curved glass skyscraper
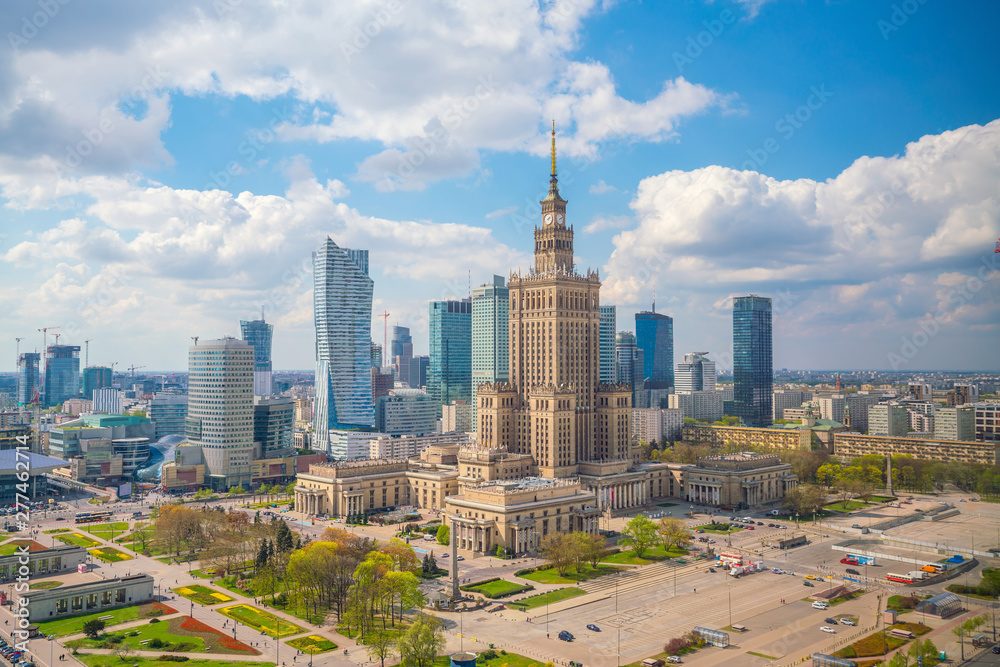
<point x="342" y="310"/>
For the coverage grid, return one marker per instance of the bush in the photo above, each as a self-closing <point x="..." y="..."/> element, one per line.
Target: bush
<point x="675" y="646"/>
<point x="154" y="620"/>
<point x="173" y="658"/>
<point x="155" y="642"/>
<point x="488" y="655"/>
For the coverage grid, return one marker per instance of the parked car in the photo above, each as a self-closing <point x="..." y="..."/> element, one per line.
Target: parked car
<point x="826" y="628"/>
<point x="830" y="620"/>
<point x="807" y="583"/>
<point x="674" y="659"/>
<point x="851" y="570"/>
<point x="847" y="621"/>
<point x="566" y="635"/>
<point x="592" y="627"/>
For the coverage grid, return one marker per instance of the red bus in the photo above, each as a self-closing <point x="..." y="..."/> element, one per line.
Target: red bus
<point x="899" y="578"/>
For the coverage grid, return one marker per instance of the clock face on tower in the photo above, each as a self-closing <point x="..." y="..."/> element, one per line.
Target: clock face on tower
<point x="547" y="219"/>
<point x="560" y="219"/>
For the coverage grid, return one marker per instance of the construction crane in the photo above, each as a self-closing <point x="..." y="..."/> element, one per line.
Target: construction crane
<point x="86" y="353"/>
<point x="385" y="337"/>
<point x="45" y="344"/>
<point x="195" y="339"/>
<point x="133" y="368"/>
<point x="17" y="341"/>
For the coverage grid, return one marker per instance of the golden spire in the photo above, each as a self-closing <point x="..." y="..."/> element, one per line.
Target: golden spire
<point x="553" y="148"/>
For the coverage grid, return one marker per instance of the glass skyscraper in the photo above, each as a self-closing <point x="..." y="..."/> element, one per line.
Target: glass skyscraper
<point x="490" y="345"/>
<point x="654" y="335"/>
<point x="400" y="353"/>
<point x="342" y="310"/>
<point x="62" y="373"/>
<point x="753" y="372"/>
<point x="606" y="333"/>
<point x="94" y="378"/>
<point x="27" y="377"/>
<point x="449" y="376"/>
<point x="258" y="333"/>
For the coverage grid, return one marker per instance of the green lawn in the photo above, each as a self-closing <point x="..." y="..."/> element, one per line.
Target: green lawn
<point x="8" y="548"/>
<point x="312" y="644"/>
<point x="202" y="594"/>
<point x="872" y="645"/>
<point x="78" y="540"/>
<point x="543" y="599"/>
<point x="261" y="620"/>
<point x="496" y="589"/>
<point x="107" y="531"/>
<point x="501" y="658"/>
<point x="55" y="531"/>
<point x="718" y="528"/>
<point x="902" y="602"/>
<point x="92" y="660"/>
<point x="551" y="576"/>
<point x="180" y="634"/>
<point x="844" y="506"/>
<point x="44" y="585"/>
<point x="881" y="499"/>
<point x="74" y="624"/>
<point x="109" y="554"/>
<point x="649" y="555"/>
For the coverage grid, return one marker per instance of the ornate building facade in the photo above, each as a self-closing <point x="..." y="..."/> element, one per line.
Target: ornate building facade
<point x="555" y="408"/>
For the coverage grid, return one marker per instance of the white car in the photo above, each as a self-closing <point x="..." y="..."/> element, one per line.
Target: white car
<point x="827" y="628"/>
<point x="847" y="621"/>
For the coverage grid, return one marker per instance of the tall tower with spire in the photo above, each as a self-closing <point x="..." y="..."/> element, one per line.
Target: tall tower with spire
<point x="553" y="240"/>
<point x="554" y="407"/>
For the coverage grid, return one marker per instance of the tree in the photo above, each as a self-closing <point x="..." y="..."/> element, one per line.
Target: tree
<point x="805" y="499"/>
<point x="640" y="534"/>
<point x="284" y="541"/>
<point x="421" y="643"/>
<point x="673" y="533"/>
<point x="443" y="535"/>
<point x="899" y="660"/>
<point x="124" y="651"/>
<point x="403" y="556"/>
<point x="594" y="548"/>
<point x="381" y="645"/>
<point x="93" y="628"/>
<point x="556" y="549"/>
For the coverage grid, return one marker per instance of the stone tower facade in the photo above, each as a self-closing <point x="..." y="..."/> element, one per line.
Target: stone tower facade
<point x="554" y="407"/>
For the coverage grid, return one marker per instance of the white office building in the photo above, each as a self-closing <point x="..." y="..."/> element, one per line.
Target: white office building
<point x="657" y="424"/>
<point x="888" y="419"/>
<point x="350" y="445"/>
<point x="107" y="401"/>
<point x="958" y="423"/>
<point x="695" y="373"/>
<point x="705" y="405"/>
<point x="220" y="408"/>
<point x="781" y="399"/>
<point x="406" y="412"/>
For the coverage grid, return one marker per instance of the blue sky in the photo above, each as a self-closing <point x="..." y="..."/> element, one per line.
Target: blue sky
<point x="166" y="168"/>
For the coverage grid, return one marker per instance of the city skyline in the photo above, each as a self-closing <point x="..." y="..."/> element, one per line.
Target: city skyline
<point x="700" y="162"/>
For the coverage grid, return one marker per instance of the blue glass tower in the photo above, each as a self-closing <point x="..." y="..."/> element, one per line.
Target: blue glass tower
<point x="94" y="378"/>
<point x="654" y="335"/>
<point x="449" y="376"/>
<point x="259" y="333"/>
<point x="753" y="372"/>
<point x="62" y="374"/>
<point x="27" y="377"/>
